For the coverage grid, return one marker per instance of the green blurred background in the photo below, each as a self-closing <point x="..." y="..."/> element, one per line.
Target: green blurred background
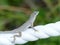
<point x="14" y="13"/>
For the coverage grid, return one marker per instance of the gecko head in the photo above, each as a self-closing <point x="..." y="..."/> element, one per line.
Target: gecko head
<point x="36" y="13"/>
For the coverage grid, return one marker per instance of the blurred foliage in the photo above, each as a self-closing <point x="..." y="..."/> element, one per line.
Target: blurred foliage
<point x="12" y="19"/>
<point x="15" y="2"/>
<point x="49" y="13"/>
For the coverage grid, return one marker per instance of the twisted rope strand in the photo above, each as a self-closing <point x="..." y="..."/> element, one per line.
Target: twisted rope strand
<point x="43" y="31"/>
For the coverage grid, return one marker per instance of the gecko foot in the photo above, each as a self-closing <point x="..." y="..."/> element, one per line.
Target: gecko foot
<point x="34" y="29"/>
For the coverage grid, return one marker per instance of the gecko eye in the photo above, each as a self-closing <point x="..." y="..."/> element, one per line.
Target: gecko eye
<point x="36" y="12"/>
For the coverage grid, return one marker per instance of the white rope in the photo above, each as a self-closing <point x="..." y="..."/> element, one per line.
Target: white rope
<point x="43" y="31"/>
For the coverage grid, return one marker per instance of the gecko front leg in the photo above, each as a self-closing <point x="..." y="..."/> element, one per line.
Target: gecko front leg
<point x="16" y="36"/>
<point x="33" y="27"/>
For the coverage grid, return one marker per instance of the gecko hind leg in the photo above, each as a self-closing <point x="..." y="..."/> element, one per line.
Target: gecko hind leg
<point x="20" y="34"/>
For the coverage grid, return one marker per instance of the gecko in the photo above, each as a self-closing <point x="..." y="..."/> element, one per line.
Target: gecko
<point x="26" y="25"/>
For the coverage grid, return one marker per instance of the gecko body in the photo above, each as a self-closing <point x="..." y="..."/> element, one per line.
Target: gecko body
<point x="25" y="26"/>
